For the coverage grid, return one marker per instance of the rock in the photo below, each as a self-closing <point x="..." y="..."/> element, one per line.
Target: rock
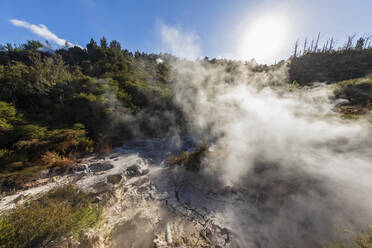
<point x="56" y="178"/>
<point x="159" y="243"/>
<point x="114" y="179"/>
<point x="81" y="167"/>
<point x="90" y="239"/>
<point x="141" y="181"/>
<point x="168" y="234"/>
<point x="19" y="198"/>
<point x="98" y="167"/>
<point x="136" y="170"/>
<point x="114" y="156"/>
<point x="102" y="187"/>
<point x="38" y="182"/>
<point x="45" y="173"/>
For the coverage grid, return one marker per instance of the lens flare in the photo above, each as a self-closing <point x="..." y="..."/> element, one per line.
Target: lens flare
<point x="265" y="38"/>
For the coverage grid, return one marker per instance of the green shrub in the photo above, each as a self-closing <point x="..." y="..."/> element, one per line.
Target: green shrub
<point x="191" y="161"/>
<point x="357" y="91"/>
<point x="6" y="156"/>
<point x="58" y="213"/>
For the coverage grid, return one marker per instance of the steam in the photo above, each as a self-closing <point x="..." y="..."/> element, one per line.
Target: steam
<point x="183" y="45"/>
<point x="311" y="167"/>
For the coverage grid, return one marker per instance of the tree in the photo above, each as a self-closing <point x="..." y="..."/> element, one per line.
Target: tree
<point x="66" y="44"/>
<point x="115" y="45"/>
<point x="92" y="45"/>
<point x="317" y="43"/>
<point x="349" y="42"/>
<point x="48" y="45"/>
<point x="295" y="49"/>
<point x="360" y="43"/>
<point x="9" y="47"/>
<point x="305" y="46"/>
<point x="103" y="42"/>
<point x="32" y="45"/>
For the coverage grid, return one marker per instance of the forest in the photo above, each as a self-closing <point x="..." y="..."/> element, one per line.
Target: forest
<point x="56" y="106"/>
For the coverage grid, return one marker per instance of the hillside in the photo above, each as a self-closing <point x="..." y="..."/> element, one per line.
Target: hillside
<point x="104" y="147"/>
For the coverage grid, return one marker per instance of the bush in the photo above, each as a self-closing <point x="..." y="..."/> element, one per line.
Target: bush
<point x="191" y="161"/>
<point x="357" y="91"/>
<point x="6" y="156"/>
<point x="330" y="67"/>
<point x="58" y="213"/>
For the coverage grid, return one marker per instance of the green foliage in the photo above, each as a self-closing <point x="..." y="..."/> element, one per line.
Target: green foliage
<point x="19" y="136"/>
<point x="6" y="156"/>
<point x="362" y="240"/>
<point x="56" y="214"/>
<point x="357" y="91"/>
<point x="32" y="45"/>
<point x="8" y="116"/>
<point x="191" y="161"/>
<point x="332" y="66"/>
<point x="44" y="95"/>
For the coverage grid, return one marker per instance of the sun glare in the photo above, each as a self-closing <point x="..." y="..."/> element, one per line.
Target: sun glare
<point x="264" y="38"/>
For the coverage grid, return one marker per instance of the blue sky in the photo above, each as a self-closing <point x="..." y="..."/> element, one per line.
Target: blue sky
<point x="219" y="28"/>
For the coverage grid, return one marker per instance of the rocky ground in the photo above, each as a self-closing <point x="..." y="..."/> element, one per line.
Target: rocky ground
<point x="146" y="203"/>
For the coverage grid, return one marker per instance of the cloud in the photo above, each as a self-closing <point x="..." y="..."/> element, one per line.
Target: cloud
<point x="182" y="44"/>
<point x="42" y="31"/>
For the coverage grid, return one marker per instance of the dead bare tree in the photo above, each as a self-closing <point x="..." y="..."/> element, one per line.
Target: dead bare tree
<point x="349" y="42"/>
<point x="312" y="44"/>
<point x="331" y="43"/>
<point x="316" y="43"/>
<point x="367" y="41"/>
<point x="305" y="44"/>
<point x="295" y="49"/>
<point x="325" y="47"/>
<point x="360" y="43"/>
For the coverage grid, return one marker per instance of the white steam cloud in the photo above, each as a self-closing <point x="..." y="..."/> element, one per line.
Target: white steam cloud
<point x="42" y="31"/>
<point x="183" y="45"/>
<point x="308" y="170"/>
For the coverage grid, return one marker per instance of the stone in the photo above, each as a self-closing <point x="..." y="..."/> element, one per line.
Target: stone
<point x="114" y="179"/>
<point x="101" y="187"/>
<point x="136" y="170"/>
<point x="45" y="173"/>
<point x="98" y="167"/>
<point x="81" y="167"/>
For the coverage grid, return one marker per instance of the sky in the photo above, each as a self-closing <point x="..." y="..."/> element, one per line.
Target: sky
<point x="238" y="29"/>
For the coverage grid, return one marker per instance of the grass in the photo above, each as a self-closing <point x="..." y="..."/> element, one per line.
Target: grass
<point x="362" y="240"/>
<point x="58" y="213"/>
<point x="18" y="175"/>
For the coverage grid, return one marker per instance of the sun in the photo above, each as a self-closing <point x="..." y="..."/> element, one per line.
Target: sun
<point x="264" y="38"/>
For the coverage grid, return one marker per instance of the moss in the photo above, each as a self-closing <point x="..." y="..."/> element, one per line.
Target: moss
<point x="58" y="213"/>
